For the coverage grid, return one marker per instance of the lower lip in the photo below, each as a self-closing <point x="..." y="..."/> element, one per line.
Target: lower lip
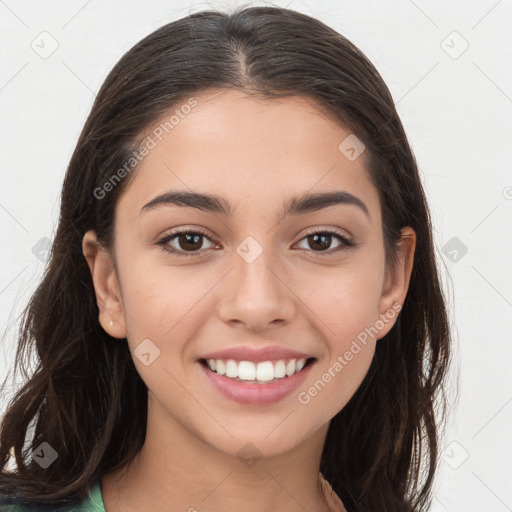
<point x="249" y="393"/>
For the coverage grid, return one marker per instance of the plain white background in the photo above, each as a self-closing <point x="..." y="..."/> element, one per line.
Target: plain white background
<point x="448" y="66"/>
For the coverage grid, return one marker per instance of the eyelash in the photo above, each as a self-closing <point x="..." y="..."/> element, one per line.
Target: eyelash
<point x="347" y="244"/>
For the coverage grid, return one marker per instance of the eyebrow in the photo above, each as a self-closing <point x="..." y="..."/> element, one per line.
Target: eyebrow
<point x="295" y="206"/>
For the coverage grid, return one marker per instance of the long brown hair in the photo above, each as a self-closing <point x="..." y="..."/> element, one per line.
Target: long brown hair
<point x="86" y="399"/>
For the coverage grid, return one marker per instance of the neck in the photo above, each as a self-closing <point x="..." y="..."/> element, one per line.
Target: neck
<point x="177" y="470"/>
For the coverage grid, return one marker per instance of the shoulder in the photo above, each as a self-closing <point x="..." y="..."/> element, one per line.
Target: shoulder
<point x="93" y="503"/>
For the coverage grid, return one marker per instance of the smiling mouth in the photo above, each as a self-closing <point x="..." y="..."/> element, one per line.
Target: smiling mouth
<point x="263" y="372"/>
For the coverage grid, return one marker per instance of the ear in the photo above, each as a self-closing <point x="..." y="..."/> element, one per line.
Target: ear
<point x="106" y="286"/>
<point x="396" y="282"/>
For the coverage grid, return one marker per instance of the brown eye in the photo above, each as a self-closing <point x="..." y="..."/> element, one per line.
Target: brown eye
<point x="186" y="242"/>
<point x="189" y="242"/>
<point x="320" y="241"/>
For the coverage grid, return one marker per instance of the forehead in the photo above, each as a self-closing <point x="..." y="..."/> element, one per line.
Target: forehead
<point x="237" y="146"/>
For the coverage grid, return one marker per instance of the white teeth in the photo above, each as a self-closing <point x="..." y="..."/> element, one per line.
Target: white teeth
<point x="290" y="367"/>
<point x="221" y="367"/>
<point x="246" y="370"/>
<point x="231" y="369"/>
<point x="279" y="370"/>
<point x="264" y="371"/>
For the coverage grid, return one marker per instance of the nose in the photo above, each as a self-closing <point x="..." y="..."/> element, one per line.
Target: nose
<point x="255" y="294"/>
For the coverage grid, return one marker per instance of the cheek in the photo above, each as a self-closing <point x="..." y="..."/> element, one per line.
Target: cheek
<point x="158" y="299"/>
<point x="335" y="382"/>
<point x="347" y="311"/>
<point x="345" y="300"/>
<point x="345" y="303"/>
<point x="160" y="305"/>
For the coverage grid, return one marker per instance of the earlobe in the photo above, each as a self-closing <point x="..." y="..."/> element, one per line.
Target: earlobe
<point x="108" y="298"/>
<point x="397" y="282"/>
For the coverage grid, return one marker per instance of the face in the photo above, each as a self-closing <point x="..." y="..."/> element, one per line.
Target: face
<point x="263" y="276"/>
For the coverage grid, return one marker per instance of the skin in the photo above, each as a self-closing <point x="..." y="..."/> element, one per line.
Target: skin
<point x="256" y="154"/>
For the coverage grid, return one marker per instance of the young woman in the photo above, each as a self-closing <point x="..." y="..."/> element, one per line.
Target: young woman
<point x="242" y="309"/>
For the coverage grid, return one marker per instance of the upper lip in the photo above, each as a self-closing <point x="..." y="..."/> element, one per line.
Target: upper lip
<point x="270" y="353"/>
